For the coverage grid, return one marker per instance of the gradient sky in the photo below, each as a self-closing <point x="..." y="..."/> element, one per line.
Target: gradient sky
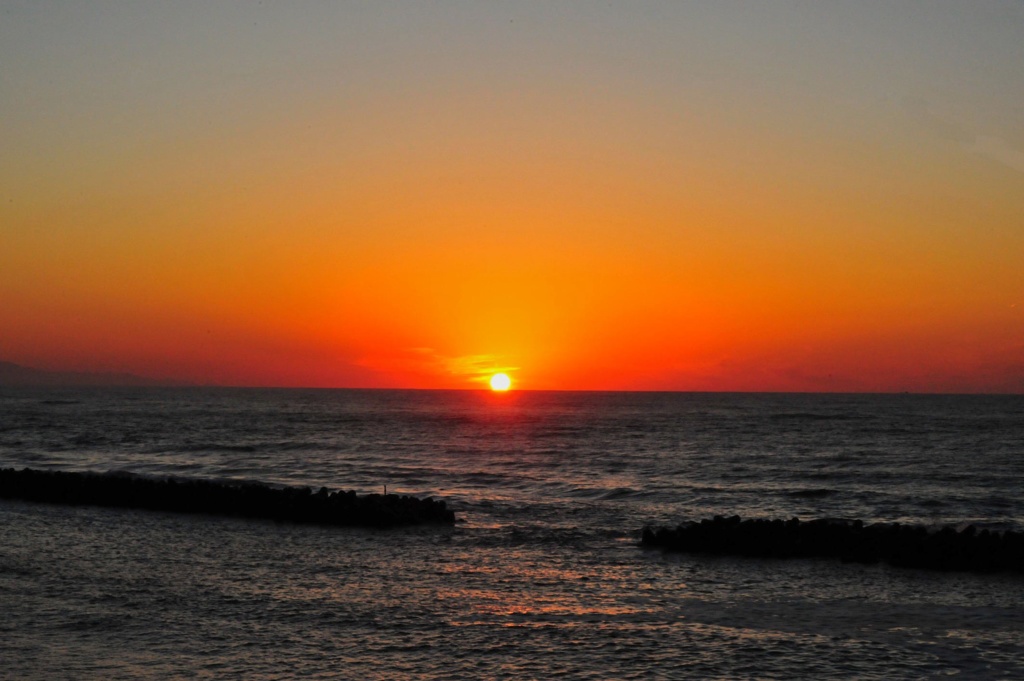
<point x="813" y="196"/>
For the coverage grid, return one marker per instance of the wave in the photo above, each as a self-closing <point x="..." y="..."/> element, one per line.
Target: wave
<point x="533" y="534"/>
<point x="810" y="493"/>
<point x="216" y="447"/>
<point x="817" y="416"/>
<point x="622" y="493"/>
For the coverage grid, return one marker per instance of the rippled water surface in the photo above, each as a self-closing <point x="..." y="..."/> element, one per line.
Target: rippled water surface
<point x="542" y="578"/>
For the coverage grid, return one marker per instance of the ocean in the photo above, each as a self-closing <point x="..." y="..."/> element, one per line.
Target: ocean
<point x="542" y="576"/>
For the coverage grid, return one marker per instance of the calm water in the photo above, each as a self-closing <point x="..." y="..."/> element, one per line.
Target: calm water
<point x="543" y="578"/>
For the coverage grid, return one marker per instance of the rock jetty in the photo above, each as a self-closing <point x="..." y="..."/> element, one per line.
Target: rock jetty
<point x="912" y="546"/>
<point x="247" y="500"/>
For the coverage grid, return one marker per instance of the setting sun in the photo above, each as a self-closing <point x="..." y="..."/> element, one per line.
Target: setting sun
<point x="500" y="382"/>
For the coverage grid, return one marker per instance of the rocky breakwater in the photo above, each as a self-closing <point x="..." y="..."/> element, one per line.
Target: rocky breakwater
<point x="912" y="546"/>
<point x="243" y="499"/>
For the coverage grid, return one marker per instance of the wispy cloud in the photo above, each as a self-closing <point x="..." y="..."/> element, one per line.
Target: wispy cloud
<point x="998" y="150"/>
<point x="991" y="147"/>
<point x="428" y="361"/>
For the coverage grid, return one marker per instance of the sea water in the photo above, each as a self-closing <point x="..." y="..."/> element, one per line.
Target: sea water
<point x="542" y="577"/>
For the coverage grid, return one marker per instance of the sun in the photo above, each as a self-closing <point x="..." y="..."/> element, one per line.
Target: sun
<point x="500" y="382"/>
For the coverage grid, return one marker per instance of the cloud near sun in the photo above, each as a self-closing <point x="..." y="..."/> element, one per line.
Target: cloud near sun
<point x="427" y="362"/>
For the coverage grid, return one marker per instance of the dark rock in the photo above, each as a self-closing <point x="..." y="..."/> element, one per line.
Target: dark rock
<point x="900" y="545"/>
<point x="248" y="500"/>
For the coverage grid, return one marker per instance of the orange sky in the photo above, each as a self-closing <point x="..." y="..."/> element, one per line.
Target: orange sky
<point x="645" y="196"/>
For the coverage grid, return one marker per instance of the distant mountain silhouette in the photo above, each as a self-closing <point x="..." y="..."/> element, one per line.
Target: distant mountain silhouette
<point x="15" y="375"/>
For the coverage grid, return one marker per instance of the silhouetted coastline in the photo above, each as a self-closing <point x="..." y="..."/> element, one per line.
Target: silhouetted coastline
<point x="911" y="546"/>
<point x="248" y="500"/>
<point x="17" y="376"/>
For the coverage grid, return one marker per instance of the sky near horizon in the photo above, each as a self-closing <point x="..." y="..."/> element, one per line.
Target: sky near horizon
<point x="812" y="196"/>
